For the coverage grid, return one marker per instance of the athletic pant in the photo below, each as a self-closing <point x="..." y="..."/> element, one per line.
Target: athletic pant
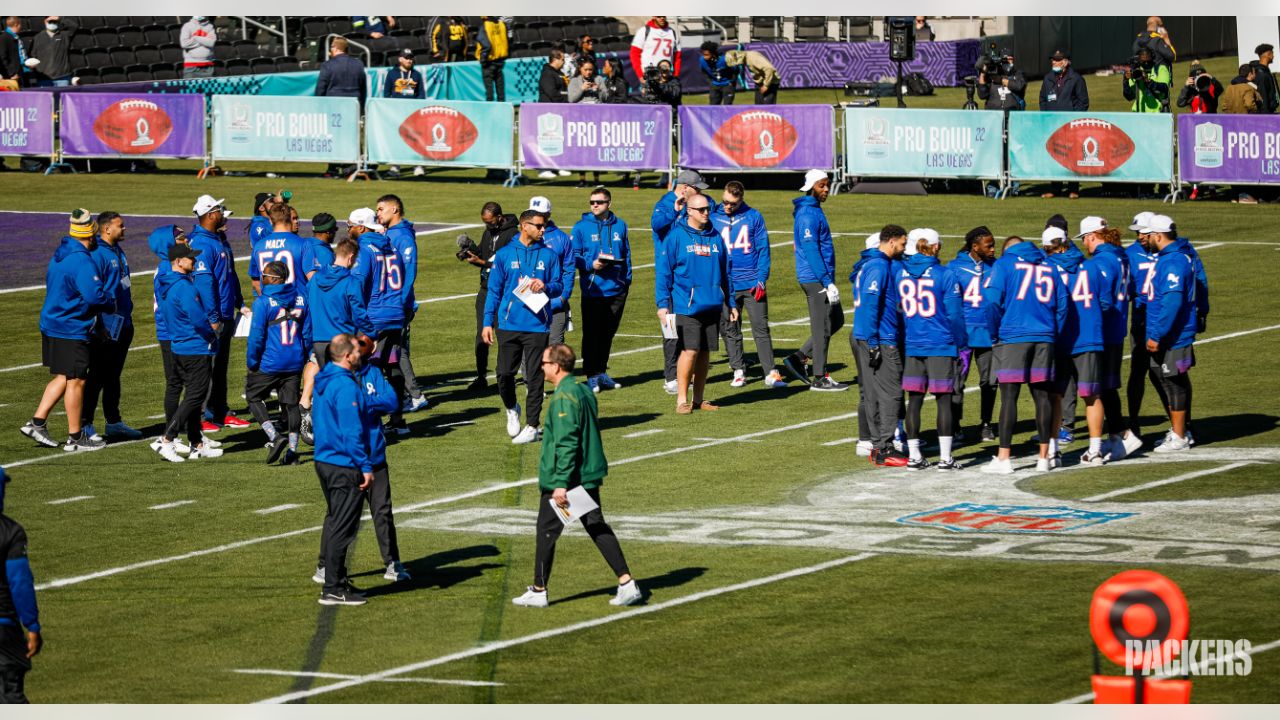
<point x="601" y="317"/>
<point x="482" y="349"/>
<point x="767" y="96"/>
<point x="391" y="340"/>
<point x="865" y="421"/>
<point x="494" y="84"/>
<point x="758" y="312"/>
<point x="1069" y="397"/>
<point x="915" y="403"/>
<point x="216" y="401"/>
<point x="172" y="383"/>
<point x="1140" y="371"/>
<point x="106" y="363"/>
<point x="882" y="391"/>
<point x="670" y="354"/>
<point x="406" y="365"/>
<point x="825" y="319"/>
<point x="257" y="390"/>
<point x="521" y="350"/>
<point x="559" y="325"/>
<point x="192" y="372"/>
<point x="384" y="525"/>
<point x="981" y="359"/>
<point x="1042" y="396"/>
<point x="550" y="527"/>
<point x="14" y="665"/>
<point x="721" y="95"/>
<point x="341" y="521"/>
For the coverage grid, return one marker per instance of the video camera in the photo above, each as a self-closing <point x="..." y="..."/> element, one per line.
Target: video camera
<point x="466" y="247"/>
<point x="1203" y="80"/>
<point x="992" y="63"/>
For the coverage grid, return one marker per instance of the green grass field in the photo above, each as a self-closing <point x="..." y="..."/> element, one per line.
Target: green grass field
<point x="776" y="568"/>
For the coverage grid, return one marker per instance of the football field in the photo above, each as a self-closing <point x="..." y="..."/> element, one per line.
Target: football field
<point x="778" y="567"/>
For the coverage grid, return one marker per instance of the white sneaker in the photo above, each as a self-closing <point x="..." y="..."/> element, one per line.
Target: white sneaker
<point x="531" y="598"/>
<point x="318" y="577"/>
<point x="419" y="171"/>
<point x="1132" y="442"/>
<point x="628" y="594"/>
<point x="564" y="173"/>
<point x="672" y="387"/>
<point x="1055" y="460"/>
<point x="863" y="449"/>
<point x="774" y="380"/>
<point x="411" y="405"/>
<point x="396" y="573"/>
<point x="998" y="467"/>
<point x="206" y="441"/>
<point x="1044" y="464"/>
<point x="204" y="451"/>
<point x="121" y="430"/>
<point x="178" y="445"/>
<point x="593" y="382"/>
<point x="547" y="174"/>
<point x="169" y="452"/>
<point x="608" y="383"/>
<point x="92" y="433"/>
<point x="1173" y="443"/>
<point x="739" y="379"/>
<point x="1096" y="460"/>
<point x="513" y="421"/>
<point x="527" y="435"/>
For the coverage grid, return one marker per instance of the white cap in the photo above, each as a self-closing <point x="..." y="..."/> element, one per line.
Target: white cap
<point x="206" y="204"/>
<point x="1140" y="221"/>
<point x="873" y="241"/>
<point x="927" y="234"/>
<point x="364" y="217"/>
<point x="540" y="204"/>
<point x="1160" y="224"/>
<point x="1050" y="234"/>
<point x="1092" y="223"/>
<point x="811" y="178"/>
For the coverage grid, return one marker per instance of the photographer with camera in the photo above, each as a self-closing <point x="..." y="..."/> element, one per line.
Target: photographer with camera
<point x="660" y="86"/>
<point x="499" y="228"/>
<point x="1000" y="83"/>
<point x="1201" y="92"/>
<point x="1146" y="83"/>
<point x="1156" y="39"/>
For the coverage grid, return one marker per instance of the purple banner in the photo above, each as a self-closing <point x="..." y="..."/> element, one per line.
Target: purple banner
<point x="621" y="138"/>
<point x="757" y="137"/>
<point x="1229" y="148"/>
<point x="832" y="64"/>
<point x="26" y="123"/>
<point x="105" y="125"/>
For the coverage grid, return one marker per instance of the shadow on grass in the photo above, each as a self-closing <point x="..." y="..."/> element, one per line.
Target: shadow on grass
<point x="670" y="579"/>
<point x="440" y="570"/>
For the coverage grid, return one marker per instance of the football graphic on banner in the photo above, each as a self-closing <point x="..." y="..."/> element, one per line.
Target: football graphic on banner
<point x="756" y="139"/>
<point x="133" y="126"/>
<point x="1090" y="146"/>
<point x="439" y="133"/>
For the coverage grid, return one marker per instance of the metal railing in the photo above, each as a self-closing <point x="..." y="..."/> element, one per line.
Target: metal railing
<point x="328" y="40"/>
<point x="283" y="32"/>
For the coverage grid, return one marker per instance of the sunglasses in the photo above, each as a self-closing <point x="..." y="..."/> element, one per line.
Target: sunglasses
<point x="598" y="202"/>
<point x="704" y="208"/>
<point x="548" y="362"/>
<point x="536" y="225"/>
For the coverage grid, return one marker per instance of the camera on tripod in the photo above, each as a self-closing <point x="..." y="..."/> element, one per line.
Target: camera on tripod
<point x="992" y="63"/>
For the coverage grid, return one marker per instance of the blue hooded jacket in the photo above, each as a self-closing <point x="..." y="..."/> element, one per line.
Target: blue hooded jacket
<point x="259" y="227"/>
<point x="405" y="242"/>
<point x="972" y="275"/>
<point x="381" y="276"/>
<point x="340" y="423"/>
<point x="116" y="281"/>
<point x="747" y="240"/>
<point x="17" y="592"/>
<point x="593" y="238"/>
<point x="214" y="275"/>
<point x="74" y="293"/>
<point x="1083" y="282"/>
<point x="1202" y="279"/>
<point x="1142" y="271"/>
<point x="1171" y="315"/>
<point x="665" y="217"/>
<point x="378" y="399"/>
<point x="321" y="255"/>
<point x="1113" y="268"/>
<point x="336" y="305"/>
<point x="515" y="261"/>
<point x="160" y="240"/>
<point x="1026" y="300"/>
<point x="692" y="272"/>
<point x="721" y="74"/>
<point x="876" y="317"/>
<point x="562" y="245"/>
<point x="932" y="308"/>
<point x="280" y="333"/>
<point x="815" y="252"/>
<point x="285" y="247"/>
<point x="185" y="317"/>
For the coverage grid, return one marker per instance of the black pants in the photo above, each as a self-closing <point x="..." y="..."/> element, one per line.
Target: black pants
<point x="388" y="344"/>
<point x="257" y="390"/>
<point x="494" y="85"/>
<point x="14" y="665"/>
<point x="341" y="522"/>
<point x="384" y="525"/>
<point x="216" y="402"/>
<point x="758" y="312"/>
<point x="670" y="354"/>
<point x="721" y="95"/>
<point x="482" y="349"/>
<point x="825" y="319"/>
<point x="982" y="359"/>
<point x="881" y="390"/>
<point x="521" y="350"/>
<point x="406" y="364"/>
<point x="1140" y="371"/>
<point x="106" y="363"/>
<point x="172" y="383"/>
<point x="601" y="317"/>
<point x="192" y="372"/>
<point x="768" y="96"/>
<point x="550" y="527"/>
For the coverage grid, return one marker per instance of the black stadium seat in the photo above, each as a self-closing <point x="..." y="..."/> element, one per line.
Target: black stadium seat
<point x="96" y="58"/>
<point x="315" y="28"/>
<point x="122" y="57"/>
<point x="88" y="76"/>
<point x="112" y="74"/>
<point x="164" y="71"/>
<point x="156" y="34"/>
<point x="245" y="49"/>
<point x="170" y="53"/>
<point x="82" y="41"/>
<point x="262" y="65"/>
<point x="224" y="51"/>
<point x="106" y="38"/>
<point x="138" y="73"/>
<point x="238" y="66"/>
<point x="131" y="37"/>
<point x="287" y="64"/>
<point x="147" y="55"/>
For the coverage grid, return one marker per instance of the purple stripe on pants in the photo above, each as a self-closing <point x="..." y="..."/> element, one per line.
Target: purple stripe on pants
<point x="1088" y="389"/>
<point x="915" y="383"/>
<point x="941" y="387"/>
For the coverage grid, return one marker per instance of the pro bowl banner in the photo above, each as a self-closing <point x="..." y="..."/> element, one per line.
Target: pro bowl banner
<point x="893" y="142"/>
<point x="293" y="129"/>
<point x="562" y="136"/>
<point x="26" y="123"/>
<point x="1103" y="147"/>
<point x="757" y="137"/>
<point x="1229" y="148"/>
<point x="439" y="132"/>
<point x="143" y="126"/>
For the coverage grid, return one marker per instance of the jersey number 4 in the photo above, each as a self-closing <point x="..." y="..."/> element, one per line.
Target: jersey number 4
<point x="741" y="242"/>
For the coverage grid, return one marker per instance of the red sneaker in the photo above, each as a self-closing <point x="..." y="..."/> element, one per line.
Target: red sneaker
<point x="234" y="422"/>
<point x="206" y="426"/>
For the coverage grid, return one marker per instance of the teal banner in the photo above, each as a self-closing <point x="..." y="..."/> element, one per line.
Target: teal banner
<point x="893" y="142"/>
<point x="296" y="129"/>
<point x="1102" y="147"/>
<point x="440" y="132"/>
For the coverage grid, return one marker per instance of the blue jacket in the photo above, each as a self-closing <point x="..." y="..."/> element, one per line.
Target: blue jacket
<point x="972" y="275"/>
<point x="74" y="293"/>
<point x="747" y="240"/>
<point x="321" y="255"/>
<point x="342" y="76"/>
<point x="1026" y="300"/>
<point x="405" y="242"/>
<point x="378" y="399"/>
<point x="292" y="250"/>
<point x="1113" y="267"/>
<point x="930" y="298"/>
<point x="259" y="227"/>
<point x="1083" y="330"/>
<point x="593" y="238"/>
<point x="114" y="265"/>
<point x="815" y="252"/>
<point x="1202" y="279"/>
<point x="381" y="276"/>
<point x="185" y="318"/>
<point x="280" y="333"/>
<point x="340" y="423"/>
<point x="1142" y="270"/>
<point x="160" y="240"/>
<point x="876" y="318"/>
<point x="562" y="245"/>
<point x="1171" y="315"/>
<point x="336" y="305"/>
<point x="722" y="74"/>
<point x="17" y="590"/>
<point x="215" y="275"/>
<point x="510" y="264"/>
<point x="692" y="272"/>
<point x="665" y="217"/>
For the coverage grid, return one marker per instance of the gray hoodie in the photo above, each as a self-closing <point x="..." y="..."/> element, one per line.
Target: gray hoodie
<point x="198" y="37"/>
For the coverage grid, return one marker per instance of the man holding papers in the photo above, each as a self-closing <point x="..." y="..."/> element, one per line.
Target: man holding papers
<point x="109" y="348"/>
<point x="570" y="473"/>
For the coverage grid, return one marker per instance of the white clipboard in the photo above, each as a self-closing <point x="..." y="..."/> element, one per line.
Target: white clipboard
<point x="580" y="503"/>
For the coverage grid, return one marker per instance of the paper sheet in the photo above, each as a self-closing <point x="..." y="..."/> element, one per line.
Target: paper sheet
<point x="669" y="327"/>
<point x="535" y="300"/>
<point x="112" y="324"/>
<point x="242" y="325"/>
<point x="580" y="503"/>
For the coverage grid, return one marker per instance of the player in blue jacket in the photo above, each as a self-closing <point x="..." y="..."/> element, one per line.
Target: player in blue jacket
<point x="281" y="245"/>
<point x="602" y="253"/>
<point x="971" y="267"/>
<point x="324" y="228"/>
<point x="930" y="298"/>
<point x="279" y="343"/>
<point x="1027" y="310"/>
<point x="20" y="638"/>
<point x="381" y="276"/>
<point x="742" y="229"/>
<point x="876" y="343"/>
<point x="260" y="224"/>
<point x="1171" y="328"/>
<point x="528" y="267"/>
<point x="390" y="213"/>
<point x="107" y="353"/>
<point x="692" y="282"/>
<point x="219" y="287"/>
<point x="74" y="297"/>
<point x="1142" y="270"/>
<point x="815" y="256"/>
<point x="667" y="212"/>
<point x="562" y="245"/>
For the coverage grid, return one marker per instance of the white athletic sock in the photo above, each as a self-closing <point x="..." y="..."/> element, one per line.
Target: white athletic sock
<point x="270" y="430"/>
<point x="1095" y="445"/>
<point x="1053" y="446"/>
<point x="944" y="447"/>
<point x="914" y="447"/>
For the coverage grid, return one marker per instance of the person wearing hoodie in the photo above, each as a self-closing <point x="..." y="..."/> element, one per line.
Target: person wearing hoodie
<point x="746" y="239"/>
<point x="20" y="638"/>
<point x="219" y="287"/>
<point x="107" y="354"/>
<point x="517" y="317"/>
<point x="560" y="242"/>
<point x="324" y="228"/>
<point x="499" y="229"/>
<point x="1242" y="96"/>
<point x="1026" y="305"/>
<point x="669" y="209"/>
<point x="692" y="282"/>
<point x="390" y="214"/>
<point x="815" y="256"/>
<point x="75" y="295"/>
<point x="281" y="245"/>
<point x="337" y="306"/>
<point x="602" y="254"/>
<point x="279" y="342"/>
<point x="1172" y="321"/>
<point x="876" y="341"/>
<point x="197" y="40"/>
<point x="971" y="267"/>
<point x="380" y="273"/>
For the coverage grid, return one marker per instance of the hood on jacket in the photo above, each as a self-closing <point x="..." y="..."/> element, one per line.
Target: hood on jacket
<point x="805" y="202"/>
<point x="1069" y="260"/>
<point x="743" y="207"/>
<point x="161" y="239"/>
<point x="919" y="264"/>
<point x="329" y="277"/>
<point x="70" y="246"/>
<point x="166" y="282"/>
<point x="332" y="372"/>
<point x="377" y="239"/>
<point x="588" y="216"/>
<point x="1026" y="251"/>
<point x="284" y="293"/>
<point x="865" y="257"/>
<point x="507" y="222"/>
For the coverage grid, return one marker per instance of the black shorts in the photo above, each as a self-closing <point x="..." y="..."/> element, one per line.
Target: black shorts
<point x="386" y="348"/>
<point x="1112" y="356"/>
<point x="1064" y="371"/>
<point x="1088" y="368"/>
<point x="934" y="374"/>
<point x="65" y="357"/>
<point x="1174" y="361"/>
<point x="320" y="353"/>
<point x="698" y="332"/>
<point x="1024" y="363"/>
<point x="288" y="387"/>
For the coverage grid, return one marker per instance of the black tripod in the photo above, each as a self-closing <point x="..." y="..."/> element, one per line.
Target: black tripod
<point x="897" y="87"/>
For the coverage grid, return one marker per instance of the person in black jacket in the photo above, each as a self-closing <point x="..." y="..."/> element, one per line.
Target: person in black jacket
<point x="551" y="84"/>
<point x="1004" y="87"/>
<point x="614" y="87"/>
<point x="20" y="638"/>
<point x="499" y="228"/>
<point x="1201" y="91"/>
<point x="341" y="76"/>
<point x="1063" y="90"/>
<point x="1265" y="81"/>
<point x="12" y="53"/>
<point x="1156" y="39"/>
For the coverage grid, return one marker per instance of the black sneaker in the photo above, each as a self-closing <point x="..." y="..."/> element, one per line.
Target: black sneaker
<point x="921" y="464"/>
<point x="291" y="458"/>
<point x="276" y="447"/>
<point x="342" y="596"/>
<point x="959" y="436"/>
<point x="308" y="435"/>
<point x="988" y="433"/>
<point x="826" y="384"/>
<point x="947" y="466"/>
<point x="796" y="366"/>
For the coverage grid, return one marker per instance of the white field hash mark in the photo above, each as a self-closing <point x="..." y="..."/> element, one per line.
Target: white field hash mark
<point x="64" y="501"/>
<point x="277" y="508"/>
<point x="174" y="504"/>
<point x="339" y="676"/>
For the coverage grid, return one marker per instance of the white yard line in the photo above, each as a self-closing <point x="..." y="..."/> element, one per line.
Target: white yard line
<point x="497" y="645"/>
<point x="277" y="508"/>
<point x="644" y="433"/>
<point x="64" y="501"/>
<point x="1166" y="481"/>
<point x="841" y="441"/>
<point x="170" y="505"/>
<point x="339" y="676"/>
<point x="36" y="365"/>
<point x="1201" y="248"/>
<point x="1196" y="668"/>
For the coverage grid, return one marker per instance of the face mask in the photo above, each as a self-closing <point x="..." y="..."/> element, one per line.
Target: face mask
<point x="198" y="18"/>
<point x="51" y="27"/>
<point x="1059" y="70"/>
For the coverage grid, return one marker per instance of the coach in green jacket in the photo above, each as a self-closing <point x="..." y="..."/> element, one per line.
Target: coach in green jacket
<point x="572" y="456"/>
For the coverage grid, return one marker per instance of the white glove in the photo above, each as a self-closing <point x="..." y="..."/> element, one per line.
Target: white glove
<point x="833" y="294"/>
